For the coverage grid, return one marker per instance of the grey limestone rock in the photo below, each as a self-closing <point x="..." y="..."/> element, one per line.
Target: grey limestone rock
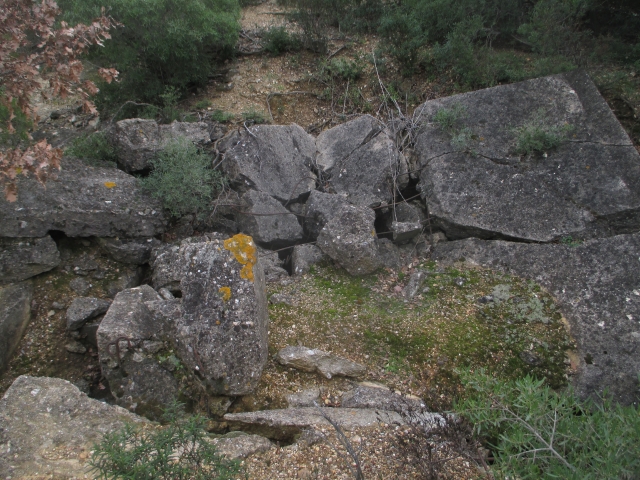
<point x="368" y="396"/>
<point x="134" y="251"/>
<point x="319" y="209"/>
<point x="406" y="222"/>
<point x="137" y="380"/>
<point x="369" y="169"/>
<point x="48" y="428"/>
<point x="350" y="239"/>
<point x="304" y="256"/>
<point x="595" y="285"/>
<point x="83" y="309"/>
<point x="305" y="398"/>
<point x="285" y="424"/>
<point x="415" y="282"/>
<point x="82" y="201"/>
<point x="267" y="221"/>
<point x="273" y="266"/>
<point x="80" y="285"/>
<point x="23" y="258"/>
<point x="311" y="360"/>
<point x="273" y="159"/>
<point x="15" y="312"/>
<point x="588" y="186"/>
<point x="138" y="140"/>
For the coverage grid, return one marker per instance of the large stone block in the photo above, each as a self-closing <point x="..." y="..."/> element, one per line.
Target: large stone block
<point x="588" y="186"/>
<point x="23" y="258"/>
<point x="15" y="312"/>
<point x="82" y="201"/>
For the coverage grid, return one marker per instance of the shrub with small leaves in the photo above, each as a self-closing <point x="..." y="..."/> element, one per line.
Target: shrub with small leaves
<point x="183" y="180"/>
<point x="177" y="451"/>
<point x="537" y="136"/>
<point x="538" y="433"/>
<point x="93" y="148"/>
<point x="277" y="40"/>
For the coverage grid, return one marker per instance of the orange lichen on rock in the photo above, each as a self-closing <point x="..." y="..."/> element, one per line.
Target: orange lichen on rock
<point x="226" y="293"/>
<point x="109" y="184"/>
<point x="245" y="251"/>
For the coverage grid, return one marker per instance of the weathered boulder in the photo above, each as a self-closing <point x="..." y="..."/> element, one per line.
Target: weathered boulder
<point x="596" y="287"/>
<point x="138" y="140"/>
<point x="405" y="222"/>
<point x="311" y="360"/>
<point x="83" y="309"/>
<point x="588" y="186"/>
<point x="287" y="423"/>
<point x="222" y="332"/>
<point x="267" y="221"/>
<point x="274" y="159"/>
<point x="133" y="251"/>
<point x="23" y="258"/>
<point x="83" y="201"/>
<point x="135" y="374"/>
<point x="15" y="311"/>
<point x="305" y="398"/>
<point x="350" y="239"/>
<point x="304" y="256"/>
<point x="319" y="209"/>
<point x="415" y="282"/>
<point x="366" y="165"/>
<point x="48" y="428"/>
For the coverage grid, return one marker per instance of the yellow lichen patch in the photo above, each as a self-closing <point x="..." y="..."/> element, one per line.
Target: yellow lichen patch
<point x="245" y="252"/>
<point x="226" y="293"/>
<point x="109" y="184"/>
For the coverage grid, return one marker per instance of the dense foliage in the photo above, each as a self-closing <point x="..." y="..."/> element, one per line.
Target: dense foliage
<point x="538" y="433"/>
<point x="174" y="43"/>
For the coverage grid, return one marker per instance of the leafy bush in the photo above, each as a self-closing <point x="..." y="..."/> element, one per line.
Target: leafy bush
<point x="277" y="40"/>
<point x="222" y="117"/>
<point x="182" y="178"/>
<point x="253" y="116"/>
<point x="162" y="43"/>
<point x="94" y="147"/>
<point x="537" y="136"/>
<point x="341" y="69"/>
<point x="404" y="37"/>
<point x="538" y="433"/>
<point x="203" y="104"/>
<point x="178" y="451"/>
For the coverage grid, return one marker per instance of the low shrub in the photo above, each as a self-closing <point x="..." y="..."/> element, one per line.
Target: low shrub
<point x="183" y="180"/>
<point x="537" y="136"/>
<point x="94" y="148"/>
<point x="221" y="116"/>
<point x="277" y="40"/>
<point x="341" y="69"/>
<point x="535" y="432"/>
<point x="252" y="116"/>
<point x="179" y="451"/>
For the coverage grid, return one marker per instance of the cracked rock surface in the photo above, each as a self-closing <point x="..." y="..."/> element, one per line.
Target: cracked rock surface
<point x="588" y="186"/>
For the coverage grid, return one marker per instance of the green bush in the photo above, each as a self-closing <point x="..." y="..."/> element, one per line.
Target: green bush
<point x="179" y="451"/>
<point x="538" y="433"/>
<point x="94" y="147"/>
<point x="162" y="43"/>
<point x="341" y="69"/>
<point x="537" y="136"/>
<point x="253" y="116"/>
<point x="277" y="40"/>
<point x="404" y="38"/>
<point x="183" y="180"/>
<point x="222" y="117"/>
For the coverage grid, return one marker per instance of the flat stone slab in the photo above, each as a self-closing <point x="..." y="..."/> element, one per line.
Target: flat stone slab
<point x="286" y="423"/>
<point x="83" y="309"/>
<point x="48" y="428"/>
<point x="311" y="360"/>
<point x="23" y="258"/>
<point x="588" y="186"/>
<point x="235" y="446"/>
<point x="274" y="159"/>
<point x="596" y="285"/>
<point x="83" y="201"/>
<point x="15" y="312"/>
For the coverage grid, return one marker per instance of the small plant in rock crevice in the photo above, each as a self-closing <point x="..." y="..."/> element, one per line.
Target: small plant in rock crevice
<point x="538" y="136"/>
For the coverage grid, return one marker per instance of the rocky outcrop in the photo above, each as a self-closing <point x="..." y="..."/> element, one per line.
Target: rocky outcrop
<point x="475" y="184"/>
<point x="405" y="222"/>
<point x="273" y="159"/>
<point x="368" y="395"/>
<point x="366" y="167"/>
<point x="135" y="374"/>
<point x="138" y="140"/>
<point x="350" y="239"/>
<point x="82" y="201"/>
<point x="237" y="445"/>
<point x="48" y="428"/>
<point x="287" y="423"/>
<point x="595" y="285"/>
<point x="83" y="309"/>
<point x="15" y="311"/>
<point x="319" y="209"/>
<point x="312" y="360"/>
<point x="267" y="221"/>
<point x="23" y="258"/>
<point x="304" y="256"/>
